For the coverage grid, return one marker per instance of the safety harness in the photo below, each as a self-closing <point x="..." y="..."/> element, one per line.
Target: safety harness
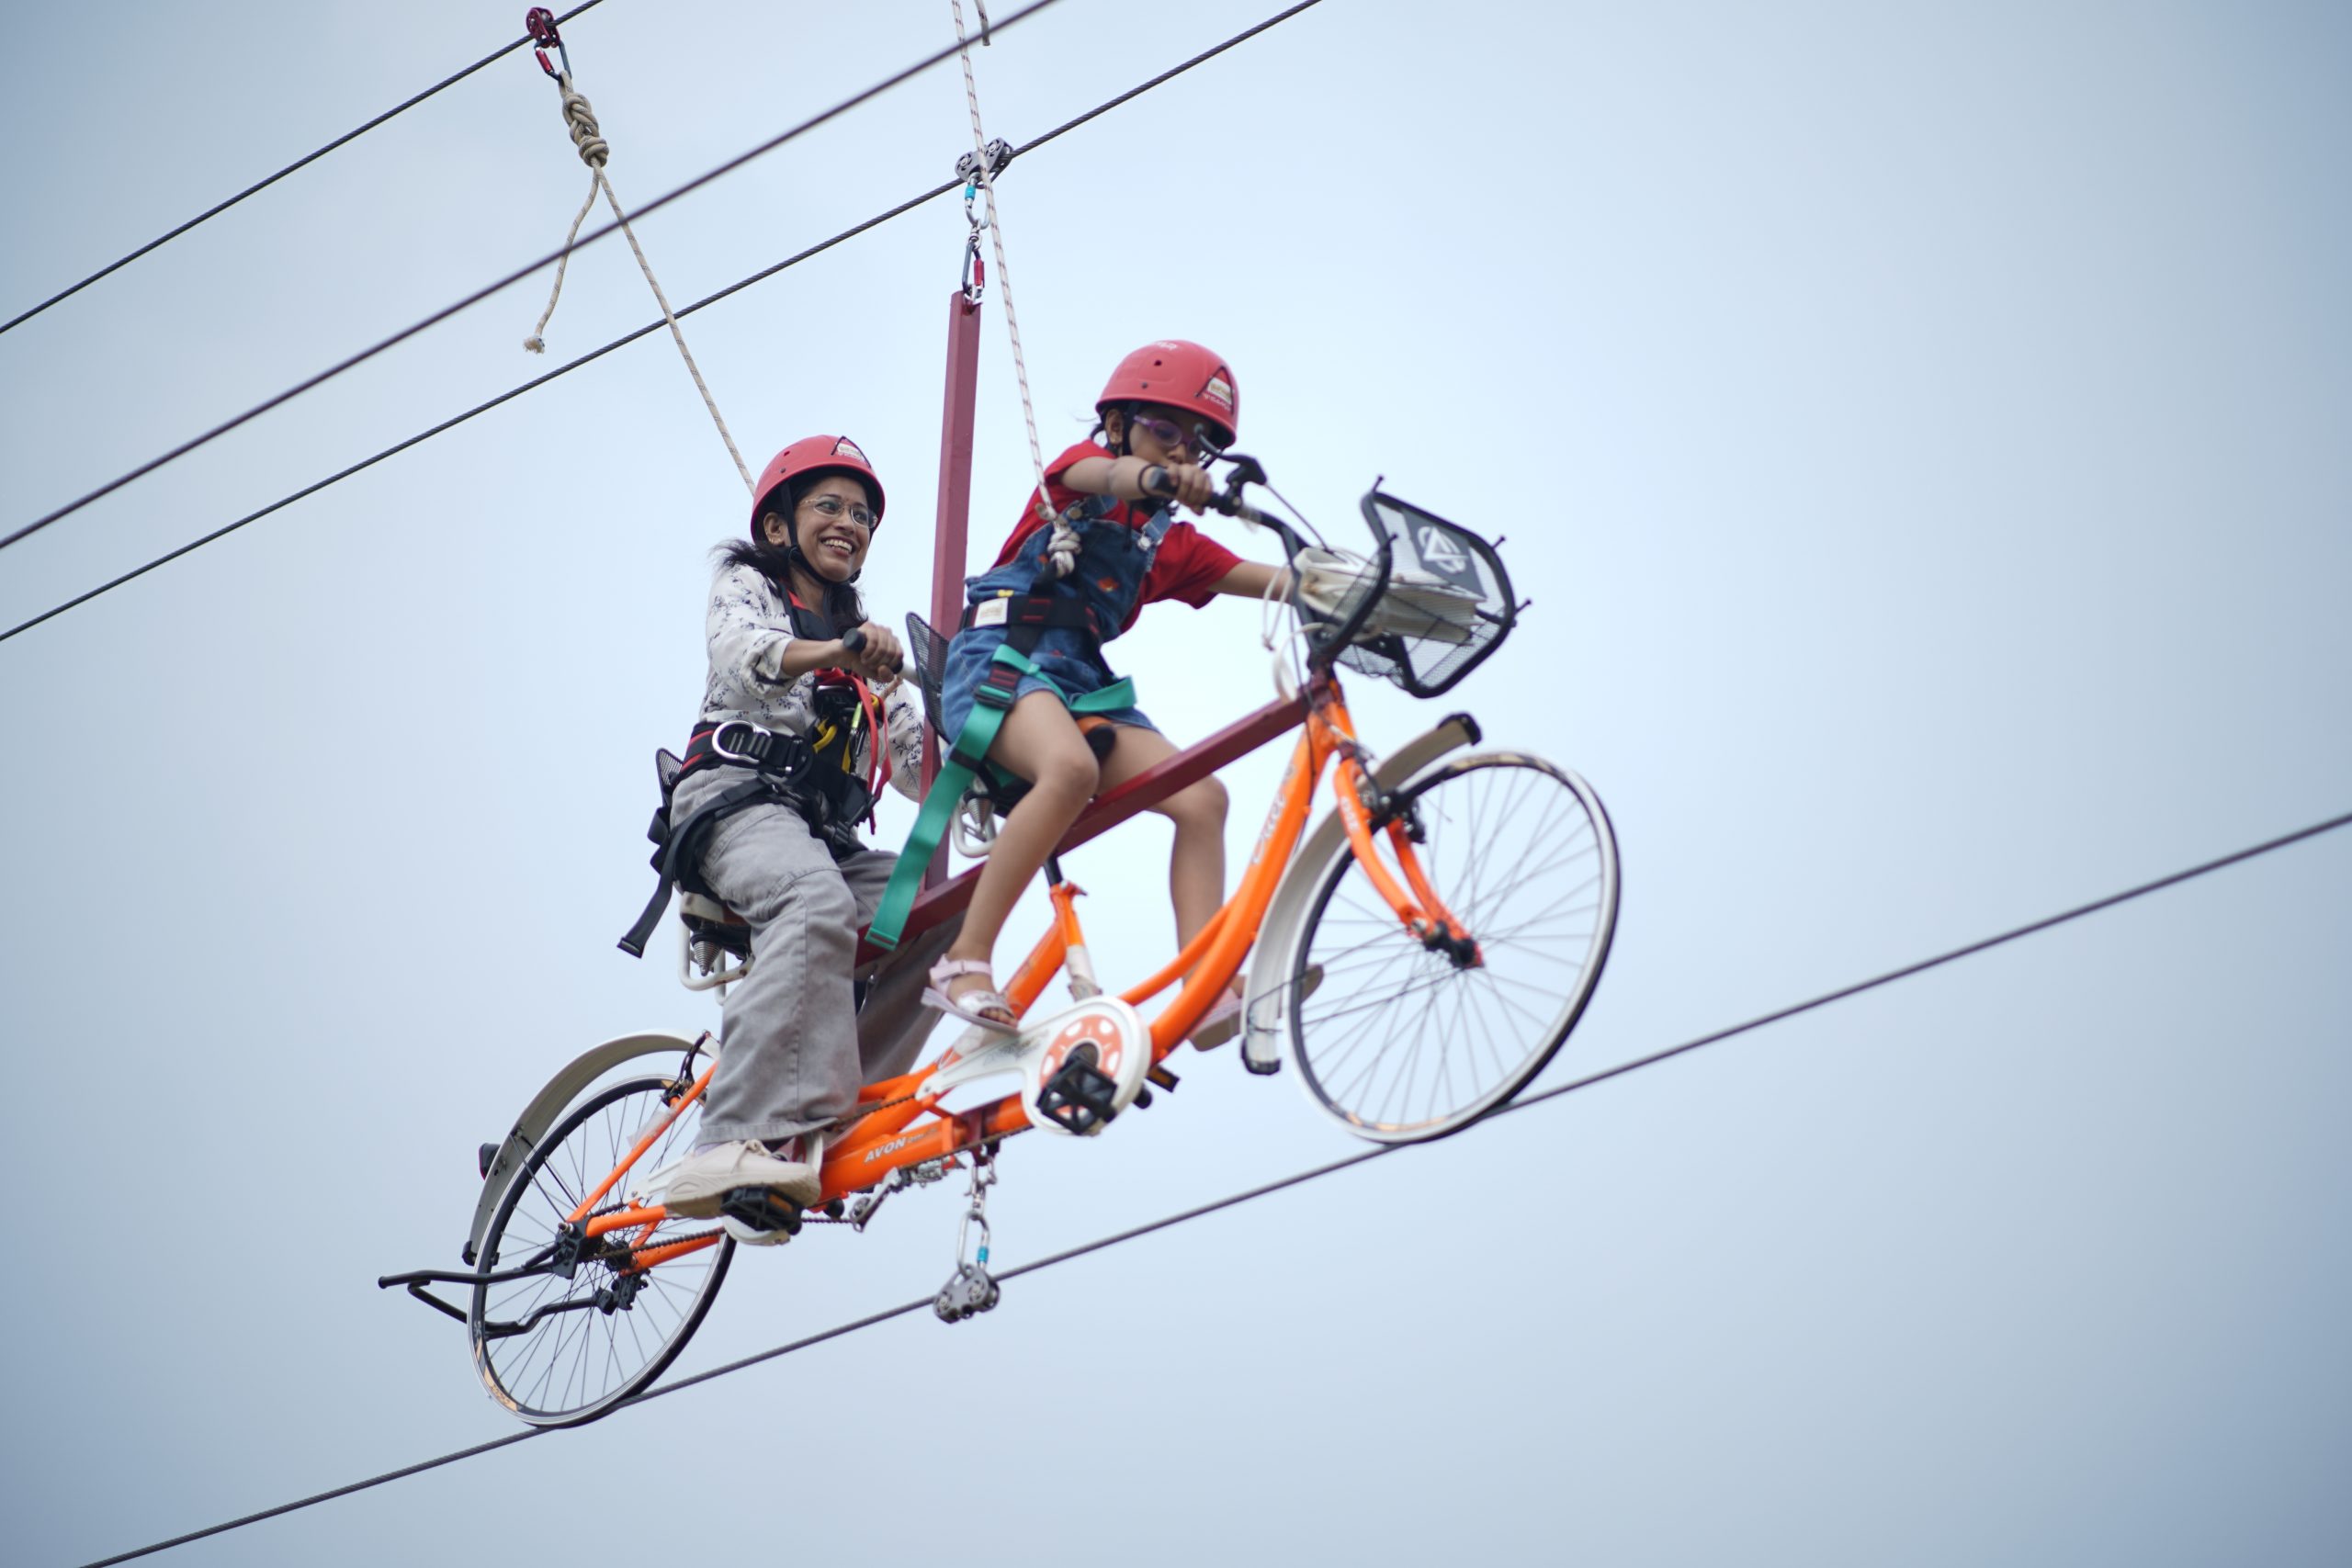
<point x="813" y="774"/>
<point x="1027" y="617"/>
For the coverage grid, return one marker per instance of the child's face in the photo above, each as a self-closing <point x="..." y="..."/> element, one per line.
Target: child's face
<point x="1149" y="437"/>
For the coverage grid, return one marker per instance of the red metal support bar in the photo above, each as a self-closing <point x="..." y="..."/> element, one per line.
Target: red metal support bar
<point x="1140" y="793"/>
<point x="950" y="533"/>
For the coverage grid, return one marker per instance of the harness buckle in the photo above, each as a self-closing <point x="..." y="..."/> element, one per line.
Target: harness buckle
<point x="996" y="688"/>
<point x="757" y="744"/>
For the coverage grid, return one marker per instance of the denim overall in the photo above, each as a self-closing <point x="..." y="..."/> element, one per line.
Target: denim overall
<point x="1113" y="560"/>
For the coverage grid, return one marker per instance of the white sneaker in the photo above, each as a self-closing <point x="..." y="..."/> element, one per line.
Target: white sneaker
<point x="709" y="1174"/>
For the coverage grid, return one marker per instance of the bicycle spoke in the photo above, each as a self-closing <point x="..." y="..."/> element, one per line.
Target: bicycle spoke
<point x="1404" y="1041"/>
<point x="578" y="1360"/>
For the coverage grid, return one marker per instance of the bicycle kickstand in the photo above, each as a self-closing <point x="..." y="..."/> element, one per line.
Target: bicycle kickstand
<point x="971" y="1290"/>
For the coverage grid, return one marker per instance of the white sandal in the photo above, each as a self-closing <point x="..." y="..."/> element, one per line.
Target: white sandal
<point x="972" y="1007"/>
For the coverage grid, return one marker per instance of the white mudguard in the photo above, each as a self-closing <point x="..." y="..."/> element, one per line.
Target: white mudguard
<point x="1266" y="1010"/>
<point x="551" y="1103"/>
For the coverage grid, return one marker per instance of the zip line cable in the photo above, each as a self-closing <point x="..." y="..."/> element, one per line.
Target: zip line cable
<point x="307" y="158"/>
<point x="512" y="392"/>
<point x="479" y="295"/>
<point x="1297" y="1178"/>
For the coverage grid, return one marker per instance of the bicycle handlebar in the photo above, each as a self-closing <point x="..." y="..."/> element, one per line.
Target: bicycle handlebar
<point x="1229" y="501"/>
<point x="853" y="641"/>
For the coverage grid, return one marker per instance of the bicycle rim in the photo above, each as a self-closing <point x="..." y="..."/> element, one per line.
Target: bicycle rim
<point x="1402" y="1044"/>
<point x="597" y="1337"/>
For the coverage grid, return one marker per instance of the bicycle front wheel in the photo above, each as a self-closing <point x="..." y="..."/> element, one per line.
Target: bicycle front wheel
<point x="566" y="1343"/>
<point x="1402" y="1043"/>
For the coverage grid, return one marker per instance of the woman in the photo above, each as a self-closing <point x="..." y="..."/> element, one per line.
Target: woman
<point x="783" y="692"/>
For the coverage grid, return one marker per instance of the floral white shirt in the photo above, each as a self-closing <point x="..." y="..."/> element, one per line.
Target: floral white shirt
<point x="747" y="627"/>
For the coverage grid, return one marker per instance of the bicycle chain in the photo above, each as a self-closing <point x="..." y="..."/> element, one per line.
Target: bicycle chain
<point x="807" y="1216"/>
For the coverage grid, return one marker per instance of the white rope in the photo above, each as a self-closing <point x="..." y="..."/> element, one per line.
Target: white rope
<point x="581" y="121"/>
<point x="1062" y="548"/>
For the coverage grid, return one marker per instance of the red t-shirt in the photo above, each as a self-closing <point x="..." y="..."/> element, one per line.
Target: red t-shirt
<point x="1189" y="563"/>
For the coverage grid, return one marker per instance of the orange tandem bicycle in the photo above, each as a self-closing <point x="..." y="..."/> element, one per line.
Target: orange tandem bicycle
<point x="1415" y="958"/>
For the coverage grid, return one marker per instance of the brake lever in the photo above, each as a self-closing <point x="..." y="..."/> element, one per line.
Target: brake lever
<point x="1243" y="470"/>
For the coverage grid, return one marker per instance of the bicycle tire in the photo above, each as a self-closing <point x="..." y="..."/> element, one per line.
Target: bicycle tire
<point x="1397" y="1040"/>
<point x="581" y="1360"/>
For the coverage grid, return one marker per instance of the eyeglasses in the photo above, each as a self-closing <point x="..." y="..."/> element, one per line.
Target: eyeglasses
<point x="833" y="506"/>
<point x="1167" y="432"/>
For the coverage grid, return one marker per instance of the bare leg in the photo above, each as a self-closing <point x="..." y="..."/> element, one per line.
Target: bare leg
<point x="1041" y="743"/>
<point x="1196" y="863"/>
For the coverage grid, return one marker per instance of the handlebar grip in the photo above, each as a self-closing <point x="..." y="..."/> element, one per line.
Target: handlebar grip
<point x="853" y="640"/>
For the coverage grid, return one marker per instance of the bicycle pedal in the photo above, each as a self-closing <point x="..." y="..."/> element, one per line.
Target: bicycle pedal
<point x="1079" y="1098"/>
<point x="1163" y="1077"/>
<point x="761" y="1210"/>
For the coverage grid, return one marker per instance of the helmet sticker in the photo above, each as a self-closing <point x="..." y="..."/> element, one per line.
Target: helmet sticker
<point x="845" y="447"/>
<point x="1220" y="391"/>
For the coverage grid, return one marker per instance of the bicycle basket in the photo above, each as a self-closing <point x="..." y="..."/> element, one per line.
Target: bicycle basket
<point x="927" y="651"/>
<point x="1445" y="605"/>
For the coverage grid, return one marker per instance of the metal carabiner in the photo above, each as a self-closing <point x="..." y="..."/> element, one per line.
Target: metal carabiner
<point x="976" y="1213"/>
<point x="974" y="277"/>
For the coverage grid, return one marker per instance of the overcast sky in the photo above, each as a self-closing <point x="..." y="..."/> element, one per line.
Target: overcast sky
<point x="1926" y="433"/>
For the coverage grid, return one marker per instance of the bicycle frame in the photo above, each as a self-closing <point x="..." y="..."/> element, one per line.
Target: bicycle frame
<point x="885" y="1137"/>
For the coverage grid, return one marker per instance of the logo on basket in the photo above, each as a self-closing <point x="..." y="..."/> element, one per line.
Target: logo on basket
<point x="1442" y="555"/>
<point x="1098" y="1030"/>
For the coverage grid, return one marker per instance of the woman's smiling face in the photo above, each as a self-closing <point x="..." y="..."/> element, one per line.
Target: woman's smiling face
<point x="833" y="540"/>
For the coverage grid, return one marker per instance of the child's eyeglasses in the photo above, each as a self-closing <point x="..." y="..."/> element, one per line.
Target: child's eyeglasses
<point x="1167" y="432"/>
<point x="833" y="506"/>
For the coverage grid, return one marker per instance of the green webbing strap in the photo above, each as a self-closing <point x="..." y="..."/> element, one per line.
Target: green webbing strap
<point x="955" y="776"/>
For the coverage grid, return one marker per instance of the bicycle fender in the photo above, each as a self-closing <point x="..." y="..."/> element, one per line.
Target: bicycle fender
<point x="551" y="1103"/>
<point x="1263" y="1010"/>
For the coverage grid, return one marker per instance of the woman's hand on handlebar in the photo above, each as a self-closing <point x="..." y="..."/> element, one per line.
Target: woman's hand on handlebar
<point x="874" y="652"/>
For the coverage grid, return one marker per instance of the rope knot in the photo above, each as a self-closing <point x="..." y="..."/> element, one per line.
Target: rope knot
<point x="1062" y="549"/>
<point x="581" y="120"/>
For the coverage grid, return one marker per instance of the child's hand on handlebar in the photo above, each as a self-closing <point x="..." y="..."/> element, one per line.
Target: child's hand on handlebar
<point x="1185" y="483"/>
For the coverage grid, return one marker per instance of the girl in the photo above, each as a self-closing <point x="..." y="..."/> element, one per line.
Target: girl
<point x="787" y="858"/>
<point x="1168" y="410"/>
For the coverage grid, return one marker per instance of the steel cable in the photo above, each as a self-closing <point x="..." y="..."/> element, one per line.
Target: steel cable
<point x="512" y="392"/>
<point x="1298" y="1179"/>
<point x="261" y="185"/>
<point x="484" y="292"/>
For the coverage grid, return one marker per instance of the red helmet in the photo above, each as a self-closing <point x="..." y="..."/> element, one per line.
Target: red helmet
<point x="1178" y="375"/>
<point x="814" y="455"/>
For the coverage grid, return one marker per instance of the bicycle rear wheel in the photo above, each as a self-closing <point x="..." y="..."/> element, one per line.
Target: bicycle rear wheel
<point x="1402" y="1044"/>
<point x="557" y="1347"/>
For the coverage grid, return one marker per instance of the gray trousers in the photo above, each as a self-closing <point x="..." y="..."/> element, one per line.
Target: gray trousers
<point x="794" y="1048"/>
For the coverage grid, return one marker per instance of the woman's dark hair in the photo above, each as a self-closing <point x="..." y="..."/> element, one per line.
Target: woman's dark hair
<point x="841" y="605"/>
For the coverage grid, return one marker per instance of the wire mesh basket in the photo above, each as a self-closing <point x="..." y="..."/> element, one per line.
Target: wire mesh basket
<point x="927" y="651"/>
<point x="1426" y="609"/>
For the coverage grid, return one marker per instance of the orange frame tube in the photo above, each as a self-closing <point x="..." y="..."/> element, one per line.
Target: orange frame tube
<point x="882" y="1143"/>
